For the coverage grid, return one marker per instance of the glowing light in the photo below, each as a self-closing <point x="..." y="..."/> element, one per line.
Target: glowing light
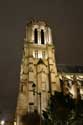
<point x="81" y="93"/>
<point x="2" y="122"/>
<point x="73" y="91"/>
<point x="14" y="123"/>
<point x="39" y="54"/>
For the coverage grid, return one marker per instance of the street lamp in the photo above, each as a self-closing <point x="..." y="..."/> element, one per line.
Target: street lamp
<point x="38" y="93"/>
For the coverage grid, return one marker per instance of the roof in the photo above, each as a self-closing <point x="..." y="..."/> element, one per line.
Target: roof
<point x="69" y="68"/>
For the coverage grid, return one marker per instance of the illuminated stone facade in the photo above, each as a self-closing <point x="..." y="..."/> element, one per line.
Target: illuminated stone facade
<point x="38" y="67"/>
<point x="72" y="84"/>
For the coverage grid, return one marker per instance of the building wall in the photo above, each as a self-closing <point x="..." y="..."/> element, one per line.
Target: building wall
<point x="38" y="67"/>
<point x="72" y="84"/>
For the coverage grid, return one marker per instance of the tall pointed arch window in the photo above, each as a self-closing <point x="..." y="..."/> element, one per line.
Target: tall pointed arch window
<point x="42" y="37"/>
<point x="36" y="36"/>
<point x="43" y="54"/>
<point x="36" y="53"/>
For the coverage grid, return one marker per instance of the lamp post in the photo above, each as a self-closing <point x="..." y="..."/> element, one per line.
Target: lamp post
<point x="38" y="93"/>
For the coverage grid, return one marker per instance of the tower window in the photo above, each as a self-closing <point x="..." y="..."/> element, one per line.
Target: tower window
<point x="35" y="36"/>
<point x="42" y="37"/>
<point x="43" y="54"/>
<point x="36" y="53"/>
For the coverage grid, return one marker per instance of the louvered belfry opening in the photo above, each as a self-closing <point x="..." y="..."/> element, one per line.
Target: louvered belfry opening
<point x="36" y="36"/>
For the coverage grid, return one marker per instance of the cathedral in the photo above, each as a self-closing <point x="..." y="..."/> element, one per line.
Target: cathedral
<point x="38" y="75"/>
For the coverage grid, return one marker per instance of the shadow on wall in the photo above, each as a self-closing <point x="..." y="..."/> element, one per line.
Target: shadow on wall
<point x="31" y="118"/>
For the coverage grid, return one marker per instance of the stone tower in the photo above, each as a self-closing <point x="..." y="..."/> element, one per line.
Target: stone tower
<point x="38" y="68"/>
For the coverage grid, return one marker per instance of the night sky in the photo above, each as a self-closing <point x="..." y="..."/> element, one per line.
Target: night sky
<point x="66" y="20"/>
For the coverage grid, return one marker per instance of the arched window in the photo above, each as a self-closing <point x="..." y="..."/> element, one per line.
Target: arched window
<point x="43" y="54"/>
<point x="42" y="37"/>
<point x="36" y="53"/>
<point x="35" y="36"/>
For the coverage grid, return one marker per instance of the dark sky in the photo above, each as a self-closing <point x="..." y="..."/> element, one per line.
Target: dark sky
<point x="66" y="19"/>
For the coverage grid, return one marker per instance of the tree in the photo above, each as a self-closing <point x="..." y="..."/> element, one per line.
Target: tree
<point x="59" y="109"/>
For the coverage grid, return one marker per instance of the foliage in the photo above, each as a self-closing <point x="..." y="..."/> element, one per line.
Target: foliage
<point x="60" y="110"/>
